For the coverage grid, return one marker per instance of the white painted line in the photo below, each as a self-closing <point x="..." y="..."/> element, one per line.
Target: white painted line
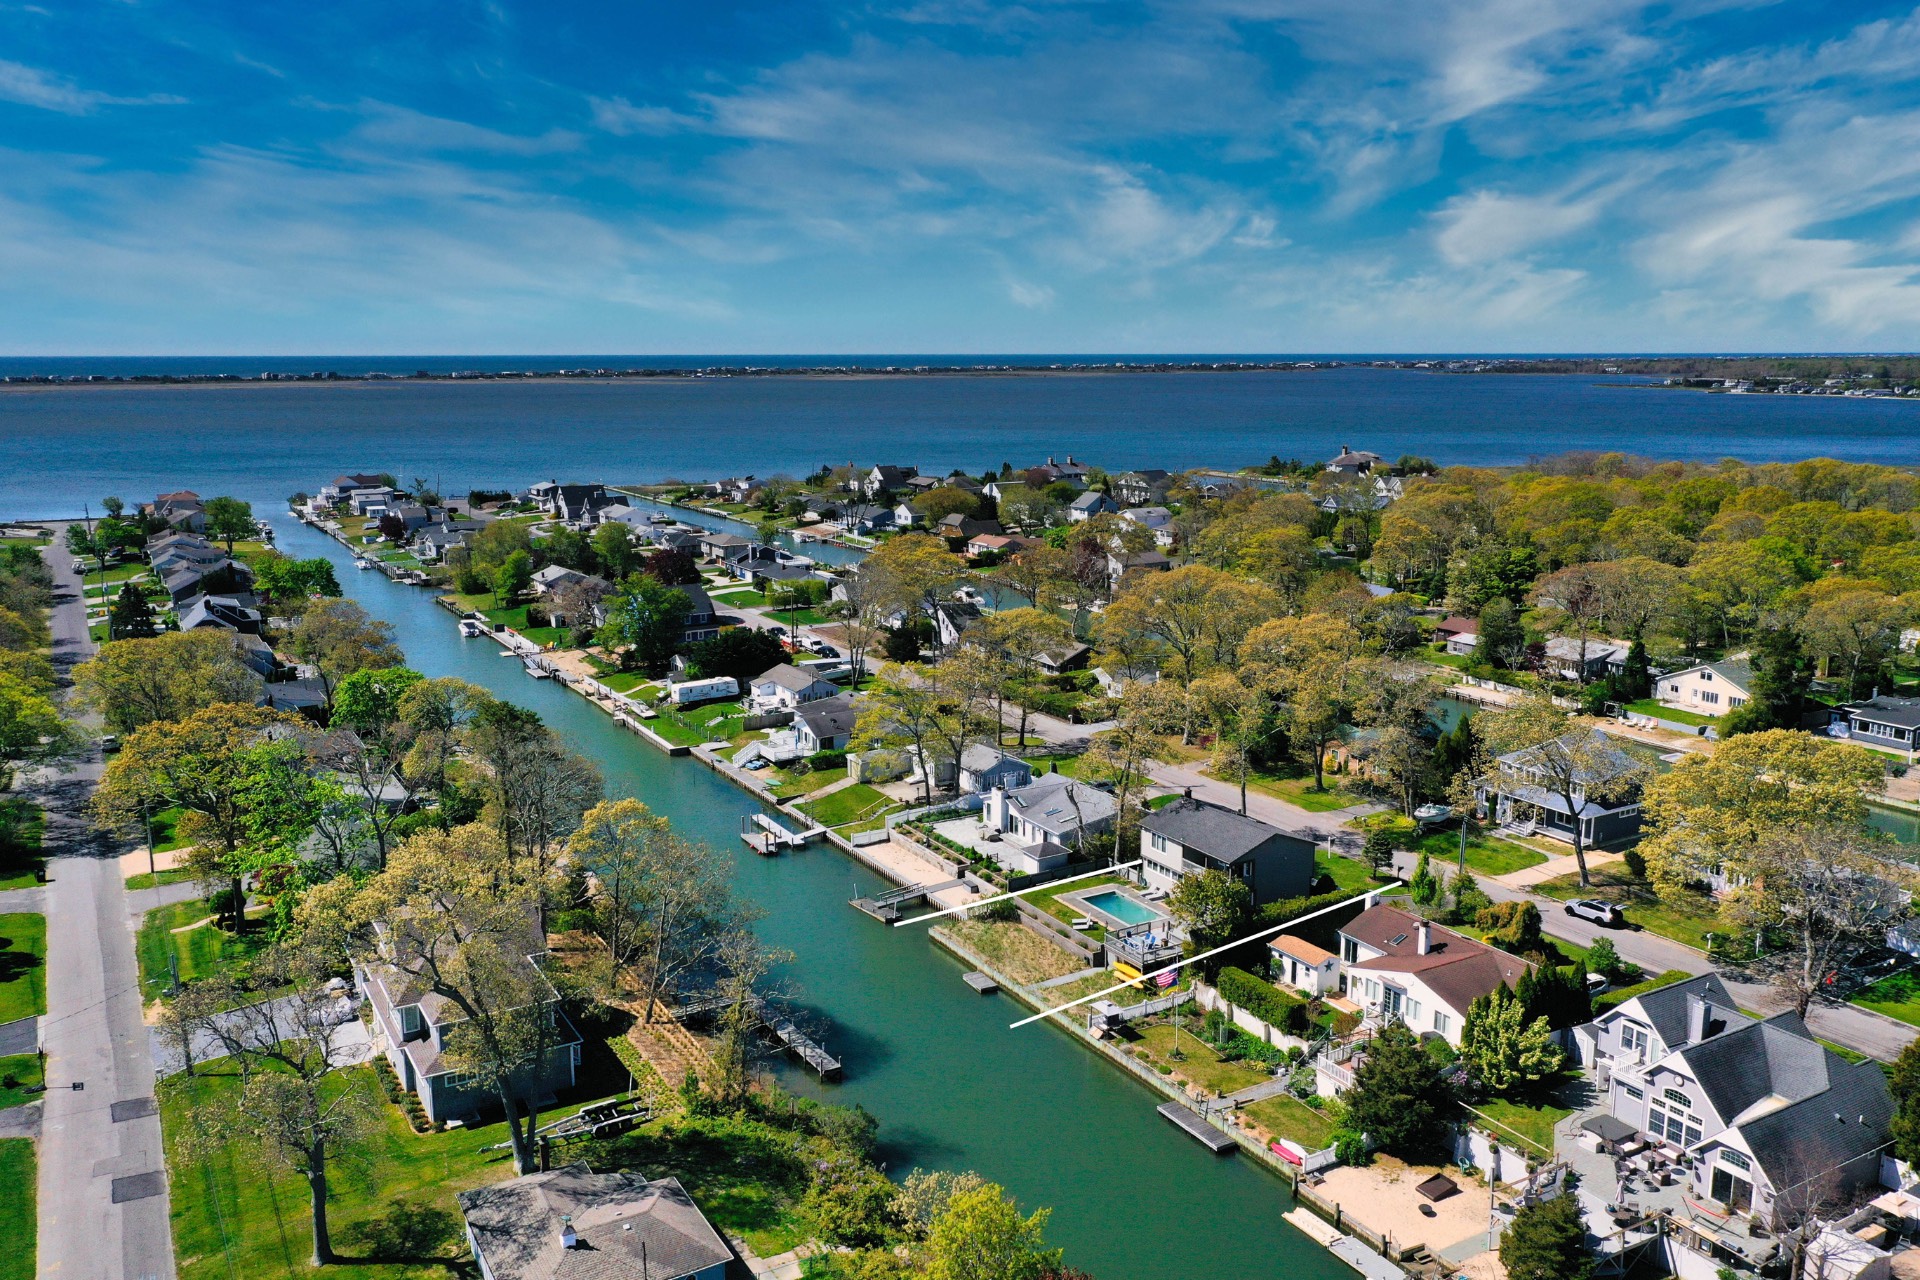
<point x="1002" y="897"/>
<point x="1179" y="964"/>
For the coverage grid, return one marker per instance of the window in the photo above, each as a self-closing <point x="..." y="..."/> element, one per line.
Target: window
<point x="1706" y="677"/>
<point x="1709" y="697"/>
<point x="1349" y="950"/>
<point x="1633" y="1091"/>
<point x="1413" y="1010"/>
<point x="1735" y="1158"/>
<point x="1633" y="1037"/>
<point x="411" y="1023"/>
<point x="1736" y="702"/>
<point x="1677" y="1098"/>
<point x="1440" y="1022"/>
<point x="1158" y="841"/>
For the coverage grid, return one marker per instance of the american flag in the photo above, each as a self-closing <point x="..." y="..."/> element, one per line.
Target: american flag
<point x="1165" y="979"/>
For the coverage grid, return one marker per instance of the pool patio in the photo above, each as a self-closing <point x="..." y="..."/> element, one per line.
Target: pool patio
<point x="1113" y="906"/>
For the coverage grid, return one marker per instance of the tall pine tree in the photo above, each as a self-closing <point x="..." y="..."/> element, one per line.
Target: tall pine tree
<point x="132" y="617"/>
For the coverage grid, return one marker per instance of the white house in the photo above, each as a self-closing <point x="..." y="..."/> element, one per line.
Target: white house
<point x="1708" y="689"/>
<point x="1397" y="966"/>
<point x="1156" y="520"/>
<point x="1771" y="1121"/>
<point x="1303" y="966"/>
<point x="1054" y="809"/>
<point x="825" y="724"/>
<point x="786" y="687"/>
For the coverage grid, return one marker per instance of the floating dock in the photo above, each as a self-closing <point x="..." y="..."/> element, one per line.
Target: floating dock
<point x="803" y="1047"/>
<point x="981" y="982"/>
<point x="1196" y="1128"/>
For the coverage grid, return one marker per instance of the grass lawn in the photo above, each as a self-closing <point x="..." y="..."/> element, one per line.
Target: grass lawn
<point x="239" y="1212"/>
<point x="22" y="825"/>
<point x="19" y="1217"/>
<point x="849" y="804"/>
<point x="1648" y="707"/>
<point x="16" y="1073"/>
<point x="1533" y="1124"/>
<point x="1199" y="1063"/>
<point x="166" y="834"/>
<point x="1489" y="855"/>
<point x="625" y="681"/>
<point x="1682" y="922"/>
<point x="746" y="598"/>
<point x="480" y="601"/>
<point x="1346" y="873"/>
<point x="198" y="951"/>
<point x="1896" y="995"/>
<point x="1290" y="1118"/>
<point x="1014" y="950"/>
<point x="691" y="726"/>
<point x="544" y="636"/>
<point x="147" y="880"/>
<point x="1441" y="658"/>
<point x="1300" y="791"/>
<point x="23" y="966"/>
<point x="801" y="617"/>
<point x="788" y="785"/>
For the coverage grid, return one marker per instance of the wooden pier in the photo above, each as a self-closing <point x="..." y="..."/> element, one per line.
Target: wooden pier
<point x="767" y="836"/>
<point x="1196" y="1128"/>
<point x="980" y="982"/>
<point x="778" y="1026"/>
<point x="889" y="906"/>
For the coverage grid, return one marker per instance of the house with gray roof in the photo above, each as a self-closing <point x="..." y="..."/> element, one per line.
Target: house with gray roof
<point x="1190" y="836"/>
<point x="1143" y="487"/>
<point x="575" y="1224"/>
<point x="786" y="687"/>
<point x="825" y="724"/>
<point x="1892" y="724"/>
<point x="1054" y="809"/>
<point x="1522" y="791"/>
<point x="1090" y="504"/>
<point x="1768" y="1118"/>
<point x="982" y="768"/>
<point x="413" y="1023"/>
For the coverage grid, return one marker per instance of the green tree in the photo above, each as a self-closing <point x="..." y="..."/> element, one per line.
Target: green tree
<point x="1604" y="959"/>
<point x="1501" y="639"/>
<point x="1903" y="1081"/>
<point x="230" y="520"/>
<point x="31" y="730"/>
<point x="740" y="652"/>
<point x="339" y="637"/>
<point x="514" y="576"/>
<point x="1781" y="675"/>
<point x="1378" y="850"/>
<point x="1505" y="1050"/>
<point x="131" y="617"/>
<point x="645" y="622"/>
<point x="613" y="548"/>
<point x="1425" y="885"/>
<point x="1214" y="907"/>
<point x="1547" y="1241"/>
<point x="288" y="584"/>
<point x="1398" y="1099"/>
<point x="165" y="677"/>
<point x="981" y="1236"/>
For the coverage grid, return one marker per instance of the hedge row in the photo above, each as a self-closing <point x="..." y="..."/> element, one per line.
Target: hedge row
<point x="1261" y="999"/>
<point x="1293" y="908"/>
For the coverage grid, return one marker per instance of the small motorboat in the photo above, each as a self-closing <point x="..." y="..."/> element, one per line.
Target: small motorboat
<point x="1433" y="813"/>
<point x="469" y="628"/>
<point x="360" y="563"/>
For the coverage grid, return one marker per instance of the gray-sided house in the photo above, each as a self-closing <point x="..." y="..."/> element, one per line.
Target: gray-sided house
<point x="1090" y="504"/>
<point x="1522" y="791"/>
<point x="1892" y="724"/>
<point x="786" y="687"/>
<point x="982" y="768"/>
<point x="1190" y="836"/>
<point x="1772" y="1121"/>
<point x="1570" y="658"/>
<point x="412" y="1024"/>
<point x="1143" y="487"/>
<point x="575" y="1224"/>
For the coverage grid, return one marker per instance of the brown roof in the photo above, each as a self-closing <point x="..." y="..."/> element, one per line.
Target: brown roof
<point x="1456" y="626"/>
<point x="1455" y="968"/>
<point x="1300" y="949"/>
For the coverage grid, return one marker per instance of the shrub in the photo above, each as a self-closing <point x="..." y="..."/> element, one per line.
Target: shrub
<point x="826" y="760"/>
<point x="1351" y="1148"/>
<point x="1263" y="1000"/>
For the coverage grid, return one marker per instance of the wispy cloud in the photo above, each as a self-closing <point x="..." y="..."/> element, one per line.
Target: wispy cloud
<point x="34" y="87"/>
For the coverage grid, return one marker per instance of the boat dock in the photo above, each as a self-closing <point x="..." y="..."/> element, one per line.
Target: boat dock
<point x="766" y="835"/>
<point x="887" y="907"/>
<point x="1196" y="1128"/>
<point x="780" y="1027"/>
<point x="980" y="982"/>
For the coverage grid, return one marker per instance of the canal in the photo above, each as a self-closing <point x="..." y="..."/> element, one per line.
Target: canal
<point x="952" y="1087"/>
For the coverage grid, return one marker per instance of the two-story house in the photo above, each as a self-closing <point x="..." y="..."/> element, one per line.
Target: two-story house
<point x="413" y="1025"/>
<point x="1090" y="504"/>
<point x="1397" y="966"/>
<point x="1523" y="791"/>
<point x="1190" y="836"/>
<point x="982" y="768"/>
<point x="1053" y="809"/>
<point x="1708" y="688"/>
<point x="1771" y="1121"/>
<point x="825" y="724"/>
<point x="1143" y="487"/>
<point x="885" y="479"/>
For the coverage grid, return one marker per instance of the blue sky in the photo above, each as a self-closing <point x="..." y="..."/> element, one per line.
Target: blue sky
<point x="954" y="176"/>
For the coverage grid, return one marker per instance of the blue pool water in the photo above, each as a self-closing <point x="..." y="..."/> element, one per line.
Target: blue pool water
<point x="1123" y="908"/>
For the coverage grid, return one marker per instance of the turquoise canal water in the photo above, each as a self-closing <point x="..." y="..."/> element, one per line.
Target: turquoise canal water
<point x="953" y="1088"/>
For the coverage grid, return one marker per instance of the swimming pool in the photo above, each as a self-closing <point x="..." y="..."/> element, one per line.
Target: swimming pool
<point x="1122" y="908"/>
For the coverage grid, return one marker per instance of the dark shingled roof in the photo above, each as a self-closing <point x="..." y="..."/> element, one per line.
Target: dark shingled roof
<point x="517" y="1224"/>
<point x="1666" y="1007"/>
<point x="829" y="717"/>
<point x="1456" y="968"/>
<point x="1215" y="831"/>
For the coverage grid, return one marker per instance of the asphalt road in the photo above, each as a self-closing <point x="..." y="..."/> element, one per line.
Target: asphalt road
<point x="103" y="1192"/>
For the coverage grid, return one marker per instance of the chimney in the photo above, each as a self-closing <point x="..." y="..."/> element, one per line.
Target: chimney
<point x="1189" y="792"/>
<point x="568" y="1239"/>
<point x="1696" y="1018"/>
<point x="1426" y="937"/>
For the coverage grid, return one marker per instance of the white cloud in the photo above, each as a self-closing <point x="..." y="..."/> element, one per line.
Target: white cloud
<point x="1486" y="226"/>
<point x="33" y="87"/>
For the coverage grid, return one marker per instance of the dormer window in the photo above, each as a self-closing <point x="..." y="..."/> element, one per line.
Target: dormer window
<point x="411" y="1023"/>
